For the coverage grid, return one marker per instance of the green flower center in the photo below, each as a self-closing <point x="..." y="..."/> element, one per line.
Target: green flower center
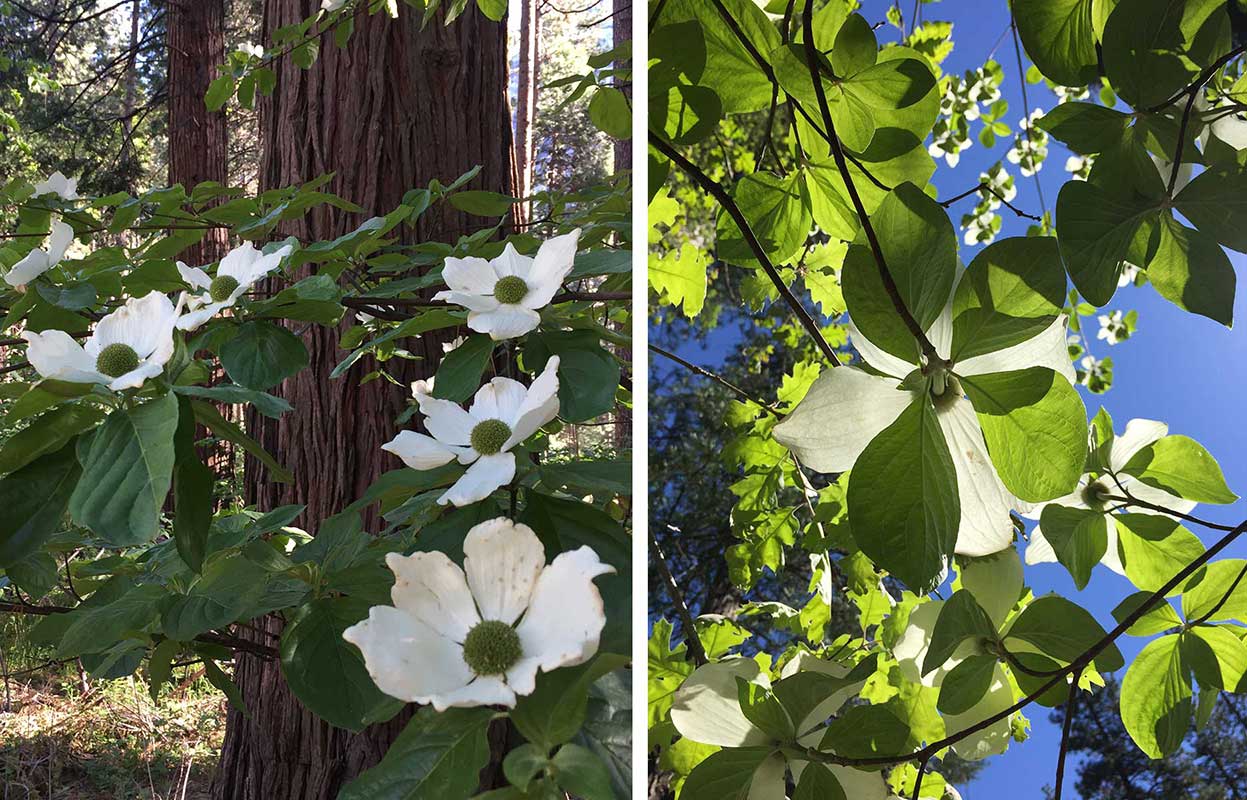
<point x="116" y="360"/>
<point x="510" y="290"/>
<point x="489" y="436"/>
<point x="222" y="287"/>
<point x="1093" y="495"/>
<point x="492" y="648"/>
<point x="945" y="390"/>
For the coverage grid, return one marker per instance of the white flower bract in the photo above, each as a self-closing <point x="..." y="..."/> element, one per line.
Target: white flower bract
<point x="238" y="272"/>
<point x="863" y="404"/>
<point x="41" y="259"/>
<point x="59" y="185"/>
<point x="136" y="338"/>
<point x="503" y="413"/>
<point x="539" y="617"/>
<point x="503" y="295"/>
<point x="1139" y="433"/>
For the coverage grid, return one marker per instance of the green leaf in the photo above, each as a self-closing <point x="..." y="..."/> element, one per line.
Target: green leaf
<point x="210" y="418"/>
<point x="1012" y="291"/>
<point x="1035" y="426"/>
<point x="1213" y="583"/>
<point x="482" y="203"/>
<point x="920" y="248"/>
<point x="1059" y="38"/>
<point x="679" y="276"/>
<point x="818" y="783"/>
<point x="580" y="773"/>
<point x="1156" y="697"/>
<point x="888" y="161"/>
<point x="1079" y="537"/>
<point x="325" y="672"/>
<point x="778" y="212"/>
<point x="1215" y="202"/>
<point x="1154" y="548"/>
<point x="903" y="504"/>
<point x="966" y="683"/>
<point x="1181" y="466"/>
<point x="1096" y="231"/>
<point x="727" y="774"/>
<point x="1158" y="619"/>
<point x="687" y="114"/>
<point x="730" y="69"/>
<point x="1191" y="271"/>
<point x="219" y="91"/>
<point x="229" y="588"/>
<point x="554" y="712"/>
<point x="437" y="756"/>
<point x="1217" y="657"/>
<point x="588" y="375"/>
<point x="666" y="669"/>
<point x="610" y="113"/>
<point x="94" y="629"/>
<point x="459" y="374"/>
<point x="261" y="355"/>
<point x="35" y="498"/>
<point x="47" y="434"/>
<point x="1061" y="630"/>
<point x="961" y="618"/>
<point x="127" y="467"/>
<point x="193" y="485"/>
<point x="495" y="10"/>
<point x="227" y="687"/>
<point x="266" y="404"/>
<point x="36" y="574"/>
<point x="523" y="764"/>
<point x="1153" y="48"/>
<point x="1085" y="127"/>
<point x="855" y="48"/>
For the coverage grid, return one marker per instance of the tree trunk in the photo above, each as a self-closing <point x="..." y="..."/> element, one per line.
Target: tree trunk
<point x="621" y="31"/>
<point x="526" y="97"/>
<point x="393" y="110"/>
<point x="197" y="136"/>
<point x="126" y="157"/>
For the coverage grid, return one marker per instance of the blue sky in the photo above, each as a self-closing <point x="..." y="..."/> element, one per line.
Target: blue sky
<point x="1180" y="368"/>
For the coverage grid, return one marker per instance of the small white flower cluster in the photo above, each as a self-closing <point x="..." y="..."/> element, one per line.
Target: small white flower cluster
<point x="1030" y="145"/>
<point x="1095" y="373"/>
<point x="1116" y="327"/>
<point x="963" y="102"/>
<point x="1079" y="167"/>
<point x="1129" y="274"/>
<point x="51" y="252"/>
<point x="1069" y="94"/>
<point x="983" y="223"/>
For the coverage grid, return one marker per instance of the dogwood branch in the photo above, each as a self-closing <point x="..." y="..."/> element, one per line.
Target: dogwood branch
<point x="686" y="618"/>
<point x="1065" y="729"/>
<point x="837" y="152"/>
<point x="987" y="187"/>
<point x="716" y="190"/>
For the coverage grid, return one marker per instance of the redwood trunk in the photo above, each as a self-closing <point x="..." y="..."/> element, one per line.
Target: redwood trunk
<point x="395" y="109"/>
<point x="526" y="96"/>
<point x="197" y="136"/>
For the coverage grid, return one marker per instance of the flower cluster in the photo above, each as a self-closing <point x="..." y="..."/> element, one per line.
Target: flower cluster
<point x="963" y="102"/>
<point x="1030" y="145"/>
<point x="239" y="270"/>
<point x="1116" y="326"/>
<point x="983" y="223"/>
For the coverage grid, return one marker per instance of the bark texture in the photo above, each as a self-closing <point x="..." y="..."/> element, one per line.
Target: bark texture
<point x="394" y="109"/>
<point x="526" y="95"/>
<point x="197" y="136"/>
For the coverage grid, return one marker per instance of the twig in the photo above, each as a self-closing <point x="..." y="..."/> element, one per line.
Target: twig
<point x="987" y="187"/>
<point x="686" y="618"/>
<point x="1026" y="109"/>
<point x="1065" y="729"/>
<point x="725" y="200"/>
<point x="719" y="379"/>
<point x="922" y="770"/>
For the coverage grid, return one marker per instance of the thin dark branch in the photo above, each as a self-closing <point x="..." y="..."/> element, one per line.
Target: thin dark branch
<point x="677" y="597"/>
<point x="922" y="771"/>
<point x="1065" y="729"/>
<point x="719" y="379"/>
<point x="987" y="187"/>
<point x="725" y="200"/>
<point x="1026" y="110"/>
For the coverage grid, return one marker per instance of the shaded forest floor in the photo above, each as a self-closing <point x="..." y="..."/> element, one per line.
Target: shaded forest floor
<point x="60" y="743"/>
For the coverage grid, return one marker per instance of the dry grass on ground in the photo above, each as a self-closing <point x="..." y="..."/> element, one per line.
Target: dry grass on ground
<point x="59" y="743"/>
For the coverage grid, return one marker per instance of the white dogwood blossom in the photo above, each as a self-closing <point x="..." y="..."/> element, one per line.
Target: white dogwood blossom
<point x="995" y="583"/>
<point x="706" y="709"/>
<point x="237" y="273"/>
<point x="59" y="185"/>
<point x="126" y="348"/>
<point x="41" y="259"/>
<point x="1092" y="491"/>
<point x="503" y="295"/>
<point x="503" y="413"/>
<point x="863" y="404"/>
<point x="477" y="636"/>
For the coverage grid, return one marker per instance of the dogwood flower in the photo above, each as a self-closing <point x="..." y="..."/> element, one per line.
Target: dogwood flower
<point x="863" y="404"/>
<point x="59" y="185"/>
<point x="706" y="709"/>
<point x="477" y="636"/>
<point x="1092" y="491"/>
<point x="503" y="413"/>
<point x="41" y="259"/>
<point x="503" y="295"/>
<point x="995" y="583"/>
<point x="1114" y="328"/>
<point x="126" y="348"/>
<point x="237" y="273"/>
<point x="330" y="6"/>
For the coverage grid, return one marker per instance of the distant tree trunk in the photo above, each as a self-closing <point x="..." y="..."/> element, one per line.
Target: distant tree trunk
<point x="126" y="157"/>
<point x="198" y="148"/>
<point x="197" y="136"/>
<point x="526" y="98"/>
<point x="394" y="109"/>
<point x="621" y="31"/>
